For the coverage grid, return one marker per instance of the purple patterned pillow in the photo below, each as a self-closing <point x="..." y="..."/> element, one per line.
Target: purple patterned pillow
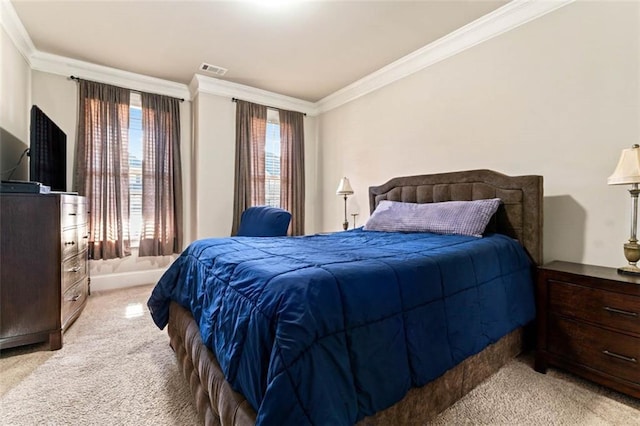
<point x="450" y="217"/>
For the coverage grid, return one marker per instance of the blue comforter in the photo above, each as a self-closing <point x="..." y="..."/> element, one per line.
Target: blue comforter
<point x="327" y="329"/>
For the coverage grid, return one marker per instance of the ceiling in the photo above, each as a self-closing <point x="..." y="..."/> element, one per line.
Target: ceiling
<point x="304" y="49"/>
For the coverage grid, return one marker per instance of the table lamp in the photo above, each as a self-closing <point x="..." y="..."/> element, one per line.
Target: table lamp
<point x="628" y="173"/>
<point x="344" y="188"/>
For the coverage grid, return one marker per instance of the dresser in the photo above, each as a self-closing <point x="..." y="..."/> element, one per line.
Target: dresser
<point x="588" y="323"/>
<point x="44" y="272"/>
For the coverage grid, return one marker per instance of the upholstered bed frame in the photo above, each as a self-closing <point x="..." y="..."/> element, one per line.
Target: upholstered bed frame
<point x="520" y="216"/>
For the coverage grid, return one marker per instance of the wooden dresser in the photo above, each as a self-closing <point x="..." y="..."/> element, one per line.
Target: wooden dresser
<point x="589" y="323"/>
<point x="44" y="270"/>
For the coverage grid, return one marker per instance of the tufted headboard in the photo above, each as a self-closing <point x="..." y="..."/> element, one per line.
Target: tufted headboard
<point x="519" y="216"/>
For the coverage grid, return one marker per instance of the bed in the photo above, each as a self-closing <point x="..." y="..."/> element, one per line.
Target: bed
<point x="317" y="345"/>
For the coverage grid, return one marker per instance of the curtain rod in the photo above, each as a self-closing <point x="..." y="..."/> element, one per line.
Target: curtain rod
<point x="271" y="107"/>
<point x="73" y="77"/>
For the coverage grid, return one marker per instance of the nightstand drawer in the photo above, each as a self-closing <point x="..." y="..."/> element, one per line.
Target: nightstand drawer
<point x="607" y="308"/>
<point x="612" y="353"/>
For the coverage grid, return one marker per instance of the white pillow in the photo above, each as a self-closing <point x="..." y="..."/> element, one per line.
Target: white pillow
<point x="450" y="217"/>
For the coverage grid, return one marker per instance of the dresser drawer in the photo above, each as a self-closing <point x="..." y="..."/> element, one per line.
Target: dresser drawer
<point x="69" y="214"/>
<point x="83" y="237"/>
<point x="73" y="269"/>
<point x="70" y="243"/>
<point x="81" y="213"/>
<point x="73" y="300"/>
<point x="608" y="308"/>
<point x="612" y="353"/>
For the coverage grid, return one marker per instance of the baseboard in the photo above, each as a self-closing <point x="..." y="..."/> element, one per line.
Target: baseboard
<point x="125" y="279"/>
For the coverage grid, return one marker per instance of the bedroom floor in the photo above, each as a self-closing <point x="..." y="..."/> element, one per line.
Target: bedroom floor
<point x="116" y="367"/>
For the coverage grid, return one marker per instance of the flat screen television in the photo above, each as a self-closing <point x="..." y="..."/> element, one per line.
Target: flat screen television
<point x="47" y="152"/>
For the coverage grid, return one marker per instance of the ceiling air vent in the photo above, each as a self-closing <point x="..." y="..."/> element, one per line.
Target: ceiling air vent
<point x="212" y="69"/>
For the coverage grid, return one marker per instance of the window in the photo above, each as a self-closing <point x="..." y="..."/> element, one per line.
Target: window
<point x="122" y="185"/>
<point x="272" y="160"/>
<point x="135" y="168"/>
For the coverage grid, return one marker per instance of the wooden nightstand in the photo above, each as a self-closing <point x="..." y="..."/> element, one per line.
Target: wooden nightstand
<point x="589" y="323"/>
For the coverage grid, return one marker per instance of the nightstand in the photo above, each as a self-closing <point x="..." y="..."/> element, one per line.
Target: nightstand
<point x="589" y="324"/>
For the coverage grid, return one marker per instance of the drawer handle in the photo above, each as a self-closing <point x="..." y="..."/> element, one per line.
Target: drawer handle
<point x="75" y="269"/>
<point x="77" y="296"/>
<point x="620" y="311"/>
<point x="72" y="214"/>
<point x="69" y="243"/>
<point x="622" y="357"/>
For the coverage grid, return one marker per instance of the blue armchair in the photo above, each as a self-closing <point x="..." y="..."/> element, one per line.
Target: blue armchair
<point x="264" y="221"/>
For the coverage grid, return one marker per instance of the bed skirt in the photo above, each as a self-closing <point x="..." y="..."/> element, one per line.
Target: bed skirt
<point x="218" y="404"/>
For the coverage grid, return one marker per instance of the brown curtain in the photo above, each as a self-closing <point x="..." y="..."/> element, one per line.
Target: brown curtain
<point x="102" y="167"/>
<point x="251" y="132"/>
<point x="292" y="168"/>
<point x="161" y="232"/>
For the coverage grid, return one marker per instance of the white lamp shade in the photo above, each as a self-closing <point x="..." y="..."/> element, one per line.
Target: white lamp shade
<point x="344" y="188"/>
<point x="628" y="169"/>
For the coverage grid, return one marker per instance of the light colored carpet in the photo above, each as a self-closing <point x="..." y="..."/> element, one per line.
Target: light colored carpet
<point x="517" y="395"/>
<point x="117" y="368"/>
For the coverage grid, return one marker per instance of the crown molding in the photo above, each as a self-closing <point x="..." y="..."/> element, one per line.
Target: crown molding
<point x="215" y="86"/>
<point x="503" y="19"/>
<point x="61" y="65"/>
<point x="15" y="30"/>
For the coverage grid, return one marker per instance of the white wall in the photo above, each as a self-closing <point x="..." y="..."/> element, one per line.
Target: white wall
<point x="558" y="97"/>
<point x="15" y="100"/>
<point x="215" y="158"/>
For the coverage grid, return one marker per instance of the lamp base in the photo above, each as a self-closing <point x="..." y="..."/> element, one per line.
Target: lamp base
<point x="632" y="254"/>
<point x="345" y="225"/>
<point x="629" y="270"/>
